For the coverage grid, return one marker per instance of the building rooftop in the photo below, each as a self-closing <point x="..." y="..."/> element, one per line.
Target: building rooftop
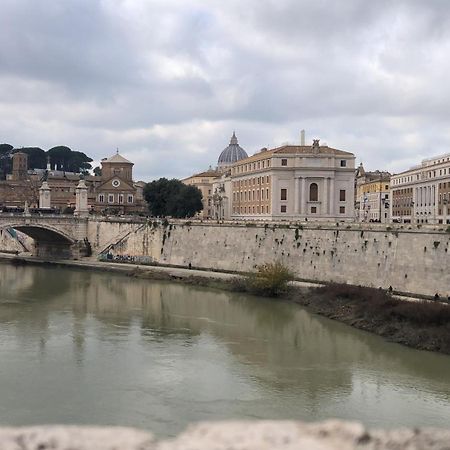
<point x="288" y="149"/>
<point x="116" y="159"/>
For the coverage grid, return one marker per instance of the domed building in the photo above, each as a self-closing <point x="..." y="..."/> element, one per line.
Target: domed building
<point x="233" y="153"/>
<point x="213" y="181"/>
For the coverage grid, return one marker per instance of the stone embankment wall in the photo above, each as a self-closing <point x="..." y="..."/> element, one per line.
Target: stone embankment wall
<point x="410" y="260"/>
<point x="15" y="242"/>
<point x="264" y="435"/>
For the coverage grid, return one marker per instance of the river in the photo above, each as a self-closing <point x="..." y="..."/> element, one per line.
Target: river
<point x="81" y="347"/>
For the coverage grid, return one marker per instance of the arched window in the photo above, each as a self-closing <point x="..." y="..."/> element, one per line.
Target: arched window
<point x="313" y="192"/>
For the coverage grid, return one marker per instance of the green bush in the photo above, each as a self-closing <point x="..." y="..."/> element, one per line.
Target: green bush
<point x="270" y="279"/>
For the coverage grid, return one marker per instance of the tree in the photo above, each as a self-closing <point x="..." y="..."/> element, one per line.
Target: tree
<point x="5" y="160"/>
<point x="69" y="160"/>
<point x="172" y="198"/>
<point x="60" y="157"/>
<point x="97" y="171"/>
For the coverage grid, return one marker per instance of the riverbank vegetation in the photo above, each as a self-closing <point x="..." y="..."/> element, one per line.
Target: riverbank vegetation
<point x="269" y="280"/>
<point x="421" y="324"/>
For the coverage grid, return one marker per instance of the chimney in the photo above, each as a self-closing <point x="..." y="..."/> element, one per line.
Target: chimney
<point x="302" y="137"/>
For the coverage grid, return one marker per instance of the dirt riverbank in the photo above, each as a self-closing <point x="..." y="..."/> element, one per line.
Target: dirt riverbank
<point x="420" y="324"/>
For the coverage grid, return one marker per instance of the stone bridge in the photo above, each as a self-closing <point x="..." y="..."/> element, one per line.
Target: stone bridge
<point x="55" y="236"/>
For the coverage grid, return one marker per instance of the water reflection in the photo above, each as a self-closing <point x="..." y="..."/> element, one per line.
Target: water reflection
<point x="116" y="350"/>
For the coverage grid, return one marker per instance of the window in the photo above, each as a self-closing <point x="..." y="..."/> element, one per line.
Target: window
<point x="284" y="162"/>
<point x="110" y="198"/>
<point x="313" y="210"/>
<point x="130" y="198"/>
<point x="283" y="194"/>
<point x="343" y="163"/>
<point x="313" y="192"/>
<point x="101" y="198"/>
<point x="283" y="208"/>
<point x="120" y="198"/>
<point x="342" y="209"/>
<point x="342" y="195"/>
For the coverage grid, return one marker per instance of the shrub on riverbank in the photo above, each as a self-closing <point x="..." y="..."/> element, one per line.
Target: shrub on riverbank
<point x="421" y="324"/>
<point x="270" y="280"/>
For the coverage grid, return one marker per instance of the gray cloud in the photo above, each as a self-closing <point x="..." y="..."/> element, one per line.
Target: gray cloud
<point x="167" y="81"/>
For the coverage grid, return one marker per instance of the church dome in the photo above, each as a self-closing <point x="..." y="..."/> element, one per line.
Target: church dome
<point x="232" y="153"/>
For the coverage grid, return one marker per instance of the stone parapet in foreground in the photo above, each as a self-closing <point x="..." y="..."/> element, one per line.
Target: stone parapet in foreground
<point x="264" y="435"/>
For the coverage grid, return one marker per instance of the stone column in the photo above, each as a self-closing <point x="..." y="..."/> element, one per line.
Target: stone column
<point x="332" y="197"/>
<point x="436" y="201"/>
<point x="44" y="196"/>
<point x="81" y="200"/>
<point x="326" y="194"/>
<point x="296" y="192"/>
<point x="303" y="196"/>
<point x="26" y="209"/>
<point x="275" y="196"/>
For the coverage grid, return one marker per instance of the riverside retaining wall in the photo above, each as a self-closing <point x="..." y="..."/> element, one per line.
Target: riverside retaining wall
<point x="410" y="260"/>
<point x="264" y="435"/>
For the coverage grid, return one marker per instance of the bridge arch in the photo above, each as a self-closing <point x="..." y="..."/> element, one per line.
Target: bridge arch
<point x="45" y="233"/>
<point x="49" y="242"/>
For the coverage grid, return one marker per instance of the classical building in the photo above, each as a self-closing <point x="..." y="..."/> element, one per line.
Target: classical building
<point x="204" y="182"/>
<point x="215" y="184"/>
<point x="294" y="182"/>
<point x="112" y="192"/>
<point x="372" y="195"/>
<point x="116" y="190"/>
<point x="422" y="193"/>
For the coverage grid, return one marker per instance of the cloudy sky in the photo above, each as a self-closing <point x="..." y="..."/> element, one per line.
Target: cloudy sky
<point x="167" y="81"/>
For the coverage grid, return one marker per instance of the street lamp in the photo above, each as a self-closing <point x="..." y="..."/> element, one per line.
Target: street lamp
<point x="365" y="208"/>
<point x="444" y="210"/>
<point x="385" y="203"/>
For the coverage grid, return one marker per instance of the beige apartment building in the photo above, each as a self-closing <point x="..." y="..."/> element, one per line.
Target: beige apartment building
<point x="422" y="193"/>
<point x="294" y="182"/>
<point x="204" y="182"/>
<point x="372" y="195"/>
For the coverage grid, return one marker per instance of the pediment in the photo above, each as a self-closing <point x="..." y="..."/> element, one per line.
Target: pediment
<point x="116" y="183"/>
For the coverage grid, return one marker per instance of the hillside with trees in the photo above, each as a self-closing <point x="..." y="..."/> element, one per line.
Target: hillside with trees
<point x="61" y="157"/>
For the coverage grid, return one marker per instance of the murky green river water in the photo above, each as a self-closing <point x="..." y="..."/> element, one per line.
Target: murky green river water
<point x="80" y="347"/>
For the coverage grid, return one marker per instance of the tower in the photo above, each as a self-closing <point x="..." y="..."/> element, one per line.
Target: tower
<point x="20" y="166"/>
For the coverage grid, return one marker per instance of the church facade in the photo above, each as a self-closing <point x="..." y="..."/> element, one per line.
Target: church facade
<point x="114" y="192"/>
